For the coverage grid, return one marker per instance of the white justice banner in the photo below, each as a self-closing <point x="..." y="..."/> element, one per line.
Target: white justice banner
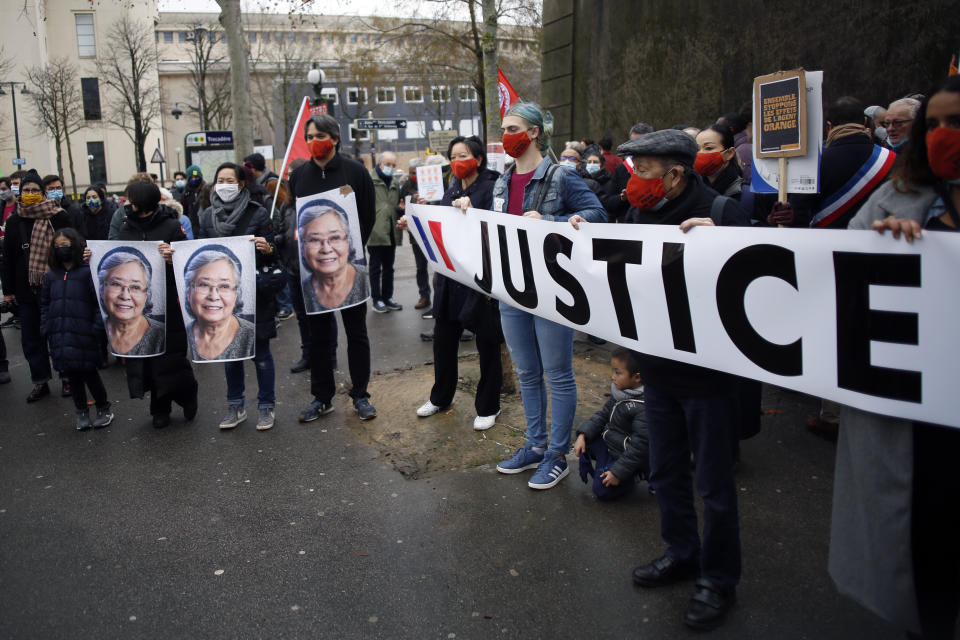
<point x="851" y="316"/>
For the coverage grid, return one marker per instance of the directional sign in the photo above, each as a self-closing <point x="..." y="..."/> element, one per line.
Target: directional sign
<point x="20" y="161"/>
<point x="372" y="123"/>
<point x="157" y="157"/>
<point x="205" y="138"/>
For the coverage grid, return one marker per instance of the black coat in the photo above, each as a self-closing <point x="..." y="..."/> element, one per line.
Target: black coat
<point x="623" y="427"/>
<point x="610" y="199"/>
<point x="259" y="225"/>
<point x="70" y="319"/>
<point x="93" y="226"/>
<point x="450" y="298"/>
<point x="16" y="255"/>
<point x="309" y="179"/>
<point x="168" y="373"/>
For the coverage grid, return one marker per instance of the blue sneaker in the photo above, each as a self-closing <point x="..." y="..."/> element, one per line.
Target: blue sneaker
<point x="524" y="458"/>
<point x="551" y="471"/>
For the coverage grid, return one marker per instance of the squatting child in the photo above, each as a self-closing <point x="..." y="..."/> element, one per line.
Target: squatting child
<point x="616" y="436"/>
<point x="71" y="323"/>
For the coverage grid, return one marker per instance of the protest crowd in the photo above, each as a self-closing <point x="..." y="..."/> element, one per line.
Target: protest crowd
<point x="667" y="426"/>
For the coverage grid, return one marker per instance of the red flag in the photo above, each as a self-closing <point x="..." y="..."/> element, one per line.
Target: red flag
<point x="297" y="147"/>
<point x="953" y="66"/>
<point x="507" y="95"/>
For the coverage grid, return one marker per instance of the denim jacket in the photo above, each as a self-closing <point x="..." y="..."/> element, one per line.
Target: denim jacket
<point x="566" y="195"/>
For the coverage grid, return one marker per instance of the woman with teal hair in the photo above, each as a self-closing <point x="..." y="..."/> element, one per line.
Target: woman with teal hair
<point x="536" y="188"/>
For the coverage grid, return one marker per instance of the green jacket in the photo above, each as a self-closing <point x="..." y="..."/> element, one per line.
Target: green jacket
<point x="387" y="213"/>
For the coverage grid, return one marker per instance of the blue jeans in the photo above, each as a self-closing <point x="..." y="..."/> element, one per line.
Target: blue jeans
<point x="539" y="346"/>
<point x="706" y="426"/>
<point x="263" y="360"/>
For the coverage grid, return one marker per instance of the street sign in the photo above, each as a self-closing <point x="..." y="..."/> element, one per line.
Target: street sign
<point x="157" y="157"/>
<point x="20" y="161"/>
<point x="440" y="140"/>
<point x="373" y="123"/>
<point x="207" y="138"/>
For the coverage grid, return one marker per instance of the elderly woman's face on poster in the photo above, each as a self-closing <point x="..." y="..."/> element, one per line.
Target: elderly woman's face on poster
<point x="213" y="294"/>
<point x="127" y="286"/>
<point x="327" y="245"/>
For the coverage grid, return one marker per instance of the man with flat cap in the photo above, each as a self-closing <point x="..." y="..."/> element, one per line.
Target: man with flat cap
<point x="689" y="408"/>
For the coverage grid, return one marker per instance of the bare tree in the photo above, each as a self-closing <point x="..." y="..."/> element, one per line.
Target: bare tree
<point x="230" y="18"/>
<point x="55" y="95"/>
<point x="128" y="67"/>
<point x="366" y="72"/>
<point x="205" y="59"/>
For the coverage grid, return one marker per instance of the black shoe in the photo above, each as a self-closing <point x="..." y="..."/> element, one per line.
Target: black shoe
<point x="39" y="391"/>
<point x="393" y="305"/>
<point x="65" y="388"/>
<point x="427" y="337"/>
<point x="665" y="570"/>
<point x="708" y="606"/>
<point x="283" y="314"/>
<point x="314" y="410"/>
<point x="4" y="377"/>
<point x="364" y="409"/>
<point x="190" y="410"/>
<point x="161" y="420"/>
<point x="301" y="365"/>
<point x="427" y="315"/>
<point x="83" y="419"/>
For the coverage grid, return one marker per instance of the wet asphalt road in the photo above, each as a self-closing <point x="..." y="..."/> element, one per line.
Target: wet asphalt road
<point x="307" y="532"/>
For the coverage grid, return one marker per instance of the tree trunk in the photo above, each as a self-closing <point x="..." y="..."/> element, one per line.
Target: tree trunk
<point x="491" y="82"/>
<point x="239" y="78"/>
<point x="140" y="142"/>
<point x="73" y="174"/>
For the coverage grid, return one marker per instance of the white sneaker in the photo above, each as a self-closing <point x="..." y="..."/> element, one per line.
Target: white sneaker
<point x="482" y="423"/>
<point x="427" y="409"/>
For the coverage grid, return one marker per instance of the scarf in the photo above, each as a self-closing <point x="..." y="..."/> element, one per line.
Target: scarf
<point x="225" y="215"/>
<point x="40" y="238"/>
<point x="625" y="394"/>
<point x="845" y="130"/>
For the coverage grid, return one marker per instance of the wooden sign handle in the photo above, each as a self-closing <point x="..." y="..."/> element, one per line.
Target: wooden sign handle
<point x="782" y="181"/>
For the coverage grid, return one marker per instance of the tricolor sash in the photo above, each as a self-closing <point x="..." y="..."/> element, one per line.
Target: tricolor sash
<point x="867" y="177"/>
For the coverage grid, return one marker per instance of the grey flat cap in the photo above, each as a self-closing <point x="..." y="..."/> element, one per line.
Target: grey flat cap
<point x="666" y="142"/>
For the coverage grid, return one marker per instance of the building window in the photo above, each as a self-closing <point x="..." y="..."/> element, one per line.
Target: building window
<point x="98" y="165"/>
<point x="330" y="94"/>
<point x="86" y="42"/>
<point x="304" y="38"/>
<point x="388" y="134"/>
<point x="291" y="37"/>
<point x="329" y="38"/>
<point x="317" y="37"/>
<point x="446" y="125"/>
<point x="182" y="36"/>
<point x="252" y="36"/>
<point x="415" y="129"/>
<point x="467" y="93"/>
<point x="356" y="95"/>
<point x="386" y="95"/>
<point x="167" y="37"/>
<point x="353" y="38"/>
<point x="366" y="38"/>
<point x="440" y="94"/>
<point x="359" y="134"/>
<point x="90" y="88"/>
<point x="413" y="94"/>
<point x="265" y="36"/>
<point x="470" y="127"/>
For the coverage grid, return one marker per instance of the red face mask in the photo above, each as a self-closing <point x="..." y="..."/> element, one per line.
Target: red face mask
<point x="320" y="149"/>
<point x="708" y="162"/>
<point x="645" y="193"/>
<point x="516" y="143"/>
<point x="463" y="168"/>
<point x="943" y="152"/>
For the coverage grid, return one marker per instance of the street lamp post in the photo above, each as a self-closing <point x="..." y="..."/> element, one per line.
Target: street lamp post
<point x="13" y="98"/>
<point x="176" y="112"/>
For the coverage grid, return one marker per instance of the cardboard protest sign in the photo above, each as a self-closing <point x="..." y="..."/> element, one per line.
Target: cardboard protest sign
<point x="130" y="279"/>
<point x="781" y="132"/>
<point x="430" y="182"/>
<point x="333" y="268"/>
<point x="803" y="172"/>
<point x="217" y="283"/>
<point x="785" y="306"/>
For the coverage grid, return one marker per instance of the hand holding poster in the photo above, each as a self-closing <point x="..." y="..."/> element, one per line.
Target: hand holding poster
<point x="130" y="279"/>
<point x="333" y="268"/>
<point x="430" y="182"/>
<point x="842" y="315"/>
<point x="217" y="284"/>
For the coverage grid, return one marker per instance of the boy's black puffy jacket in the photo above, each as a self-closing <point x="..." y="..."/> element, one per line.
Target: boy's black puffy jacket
<point x="70" y="319"/>
<point x="623" y="426"/>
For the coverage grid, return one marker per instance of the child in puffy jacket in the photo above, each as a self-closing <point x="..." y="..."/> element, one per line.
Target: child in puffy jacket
<point x="71" y="323"/>
<point x="615" y="437"/>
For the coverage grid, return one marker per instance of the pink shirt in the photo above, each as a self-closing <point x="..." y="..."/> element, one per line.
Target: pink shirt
<point x="518" y="182"/>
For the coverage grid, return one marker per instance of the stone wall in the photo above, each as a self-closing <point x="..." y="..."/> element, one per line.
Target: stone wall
<point x="610" y="63"/>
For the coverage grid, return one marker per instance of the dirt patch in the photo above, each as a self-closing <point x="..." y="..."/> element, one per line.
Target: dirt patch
<point x="420" y="447"/>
